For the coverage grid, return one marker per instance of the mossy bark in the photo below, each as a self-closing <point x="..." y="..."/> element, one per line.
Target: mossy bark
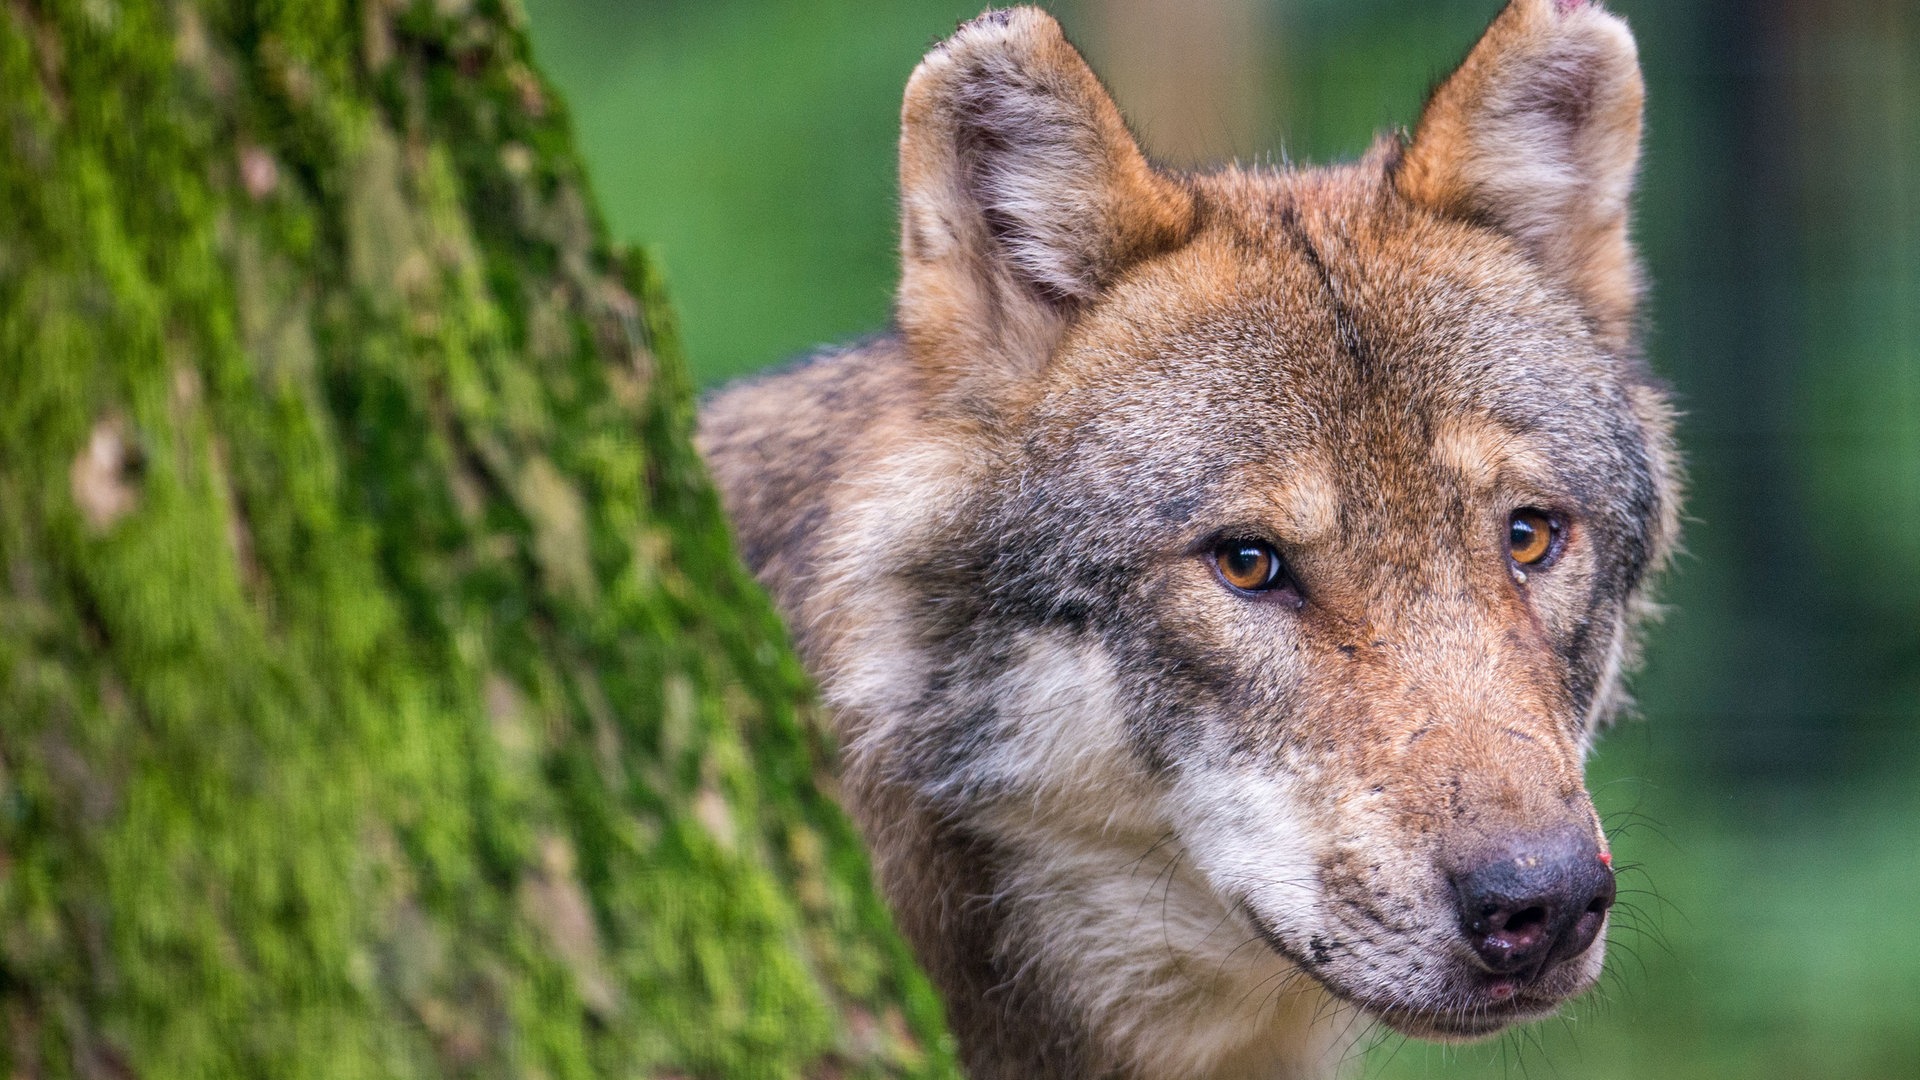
<point x="379" y="695"/>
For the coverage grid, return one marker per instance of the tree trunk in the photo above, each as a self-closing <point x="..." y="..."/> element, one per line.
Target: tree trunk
<point x="379" y="695"/>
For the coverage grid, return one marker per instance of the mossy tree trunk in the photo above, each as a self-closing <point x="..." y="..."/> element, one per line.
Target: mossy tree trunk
<point x="378" y="693"/>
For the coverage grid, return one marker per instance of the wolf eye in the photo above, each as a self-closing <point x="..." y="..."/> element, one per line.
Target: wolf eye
<point x="1532" y="536"/>
<point x="1248" y="565"/>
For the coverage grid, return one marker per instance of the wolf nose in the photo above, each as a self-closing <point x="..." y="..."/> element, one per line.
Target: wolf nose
<point x="1539" y="901"/>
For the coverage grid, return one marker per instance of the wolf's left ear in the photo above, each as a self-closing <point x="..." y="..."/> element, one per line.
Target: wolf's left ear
<point x="1023" y="198"/>
<point x="1538" y="134"/>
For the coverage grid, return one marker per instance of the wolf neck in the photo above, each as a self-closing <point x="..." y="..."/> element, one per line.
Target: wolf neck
<point x="1167" y="980"/>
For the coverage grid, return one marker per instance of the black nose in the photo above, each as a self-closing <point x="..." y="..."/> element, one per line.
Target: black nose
<point x="1540" y="900"/>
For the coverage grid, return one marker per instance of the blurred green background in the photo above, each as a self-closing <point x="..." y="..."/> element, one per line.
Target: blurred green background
<point x="1767" y="802"/>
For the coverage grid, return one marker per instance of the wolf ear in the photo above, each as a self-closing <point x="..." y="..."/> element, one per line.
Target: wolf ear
<point x="1023" y="197"/>
<point x="1538" y="134"/>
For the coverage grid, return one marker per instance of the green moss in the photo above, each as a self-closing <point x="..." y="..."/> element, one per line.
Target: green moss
<point x="382" y="695"/>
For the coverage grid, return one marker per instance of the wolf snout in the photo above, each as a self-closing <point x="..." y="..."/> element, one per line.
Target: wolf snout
<point x="1537" y="900"/>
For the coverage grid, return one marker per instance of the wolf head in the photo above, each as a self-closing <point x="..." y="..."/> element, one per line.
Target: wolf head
<point x="1280" y="532"/>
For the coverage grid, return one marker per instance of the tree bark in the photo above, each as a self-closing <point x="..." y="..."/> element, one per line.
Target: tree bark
<point x="379" y="694"/>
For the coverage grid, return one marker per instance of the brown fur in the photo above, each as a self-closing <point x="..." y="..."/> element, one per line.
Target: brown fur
<point x="1090" y="773"/>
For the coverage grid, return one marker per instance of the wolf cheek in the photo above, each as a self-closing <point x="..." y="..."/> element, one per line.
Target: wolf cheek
<point x="1218" y="580"/>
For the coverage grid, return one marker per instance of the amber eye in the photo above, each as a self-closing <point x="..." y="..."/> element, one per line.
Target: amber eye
<point x="1530" y="536"/>
<point x="1248" y="565"/>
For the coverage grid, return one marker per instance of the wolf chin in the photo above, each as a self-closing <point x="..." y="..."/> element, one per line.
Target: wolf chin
<point x="1217" y="581"/>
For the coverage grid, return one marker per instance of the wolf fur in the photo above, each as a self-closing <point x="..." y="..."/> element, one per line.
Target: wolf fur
<point x="1135" y="822"/>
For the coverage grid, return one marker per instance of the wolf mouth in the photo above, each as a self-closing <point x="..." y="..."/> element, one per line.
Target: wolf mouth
<point x="1460" y="1024"/>
<point x="1491" y="1005"/>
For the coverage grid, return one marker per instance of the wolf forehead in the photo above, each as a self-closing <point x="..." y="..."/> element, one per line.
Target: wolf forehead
<point x="1318" y="350"/>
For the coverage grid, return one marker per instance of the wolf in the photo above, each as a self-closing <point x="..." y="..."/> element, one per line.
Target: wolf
<point x="1217" y="581"/>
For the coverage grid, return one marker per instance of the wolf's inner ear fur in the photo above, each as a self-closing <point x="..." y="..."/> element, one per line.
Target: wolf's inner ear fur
<point x="1023" y="197"/>
<point x="1538" y="134"/>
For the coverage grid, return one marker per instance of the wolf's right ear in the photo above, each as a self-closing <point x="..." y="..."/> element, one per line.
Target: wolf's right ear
<point x="1023" y="196"/>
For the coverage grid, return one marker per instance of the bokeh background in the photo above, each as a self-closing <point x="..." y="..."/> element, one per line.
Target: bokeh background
<point x="1766" y="803"/>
